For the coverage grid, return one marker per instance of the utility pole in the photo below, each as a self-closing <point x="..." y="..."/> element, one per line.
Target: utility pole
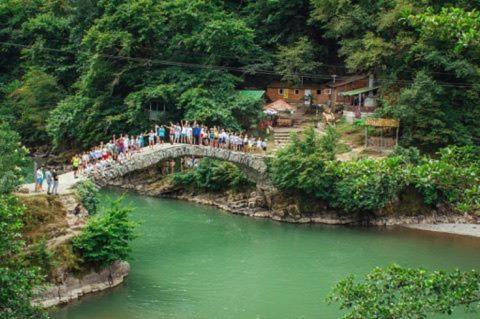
<point x="332" y="100"/>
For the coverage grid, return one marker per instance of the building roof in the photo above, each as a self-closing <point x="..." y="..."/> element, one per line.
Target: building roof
<point x="346" y="80"/>
<point x="280" y="106"/>
<point x="286" y="85"/>
<point x="358" y="91"/>
<point x="257" y="94"/>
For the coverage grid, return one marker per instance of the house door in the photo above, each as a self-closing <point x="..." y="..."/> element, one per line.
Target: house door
<point x="308" y="97"/>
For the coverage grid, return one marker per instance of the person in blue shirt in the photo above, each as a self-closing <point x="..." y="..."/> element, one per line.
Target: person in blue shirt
<point x="161" y="132"/>
<point x="196" y="133"/>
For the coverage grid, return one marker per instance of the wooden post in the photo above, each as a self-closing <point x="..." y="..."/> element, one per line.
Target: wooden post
<point x="396" y="136"/>
<point x="366" y="136"/>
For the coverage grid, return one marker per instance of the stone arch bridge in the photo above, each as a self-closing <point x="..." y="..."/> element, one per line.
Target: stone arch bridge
<point x="253" y="165"/>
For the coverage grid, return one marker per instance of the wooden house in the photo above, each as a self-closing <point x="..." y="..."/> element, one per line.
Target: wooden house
<point x="298" y="94"/>
<point x="358" y="91"/>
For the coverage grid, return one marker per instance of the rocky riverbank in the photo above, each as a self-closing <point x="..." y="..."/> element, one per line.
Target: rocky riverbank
<point x="73" y="287"/>
<point x="55" y="220"/>
<point x="273" y="204"/>
<point x="291" y="213"/>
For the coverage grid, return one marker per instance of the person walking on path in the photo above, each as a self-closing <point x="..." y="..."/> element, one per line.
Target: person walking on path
<point x="49" y="178"/>
<point x="55" y="182"/>
<point x="75" y="165"/>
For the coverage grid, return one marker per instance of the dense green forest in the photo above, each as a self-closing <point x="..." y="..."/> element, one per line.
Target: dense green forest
<point x="75" y="71"/>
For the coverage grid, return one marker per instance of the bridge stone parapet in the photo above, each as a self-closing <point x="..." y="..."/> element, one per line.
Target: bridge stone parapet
<point x="253" y="165"/>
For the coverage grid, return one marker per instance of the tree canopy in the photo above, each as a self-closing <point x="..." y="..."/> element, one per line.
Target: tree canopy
<point x="77" y="71"/>
<point x="406" y="293"/>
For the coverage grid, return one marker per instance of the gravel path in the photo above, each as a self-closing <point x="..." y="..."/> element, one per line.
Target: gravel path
<point x="457" y="229"/>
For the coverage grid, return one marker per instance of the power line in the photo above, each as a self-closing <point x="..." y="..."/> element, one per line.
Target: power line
<point x="244" y="70"/>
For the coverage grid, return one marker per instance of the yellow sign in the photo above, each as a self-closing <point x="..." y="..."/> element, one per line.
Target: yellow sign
<point x="285" y="94"/>
<point x="382" y="122"/>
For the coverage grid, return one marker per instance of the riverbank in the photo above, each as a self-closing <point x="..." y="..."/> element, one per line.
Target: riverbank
<point x="73" y="287"/>
<point x="269" y="203"/>
<point x="455" y="224"/>
<point x="472" y="230"/>
<point x="51" y="223"/>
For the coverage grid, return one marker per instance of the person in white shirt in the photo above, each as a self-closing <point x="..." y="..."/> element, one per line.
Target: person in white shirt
<point x="126" y="143"/>
<point x="259" y="144"/>
<point x="189" y="131"/>
<point x="49" y="178"/>
<point x="39" y="180"/>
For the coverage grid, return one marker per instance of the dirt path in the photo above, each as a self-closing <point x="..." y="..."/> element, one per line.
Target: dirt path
<point x="65" y="183"/>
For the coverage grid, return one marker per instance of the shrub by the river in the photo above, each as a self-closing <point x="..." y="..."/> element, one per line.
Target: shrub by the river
<point x="305" y="167"/>
<point x="453" y="178"/>
<point x="405" y="293"/>
<point x="107" y="236"/>
<point x="462" y="156"/>
<point x="300" y="167"/>
<point x="88" y="193"/>
<point x="213" y="175"/>
<point x="366" y="185"/>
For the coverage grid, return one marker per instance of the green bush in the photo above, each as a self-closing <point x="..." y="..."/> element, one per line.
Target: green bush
<point x="300" y="167"/>
<point x="462" y="156"/>
<point x="442" y="181"/>
<point x="306" y="167"/>
<point x="89" y="194"/>
<point x="213" y="175"/>
<point x="39" y="256"/>
<point x="408" y="155"/>
<point x="407" y="293"/>
<point x="106" y="238"/>
<point x="366" y="185"/>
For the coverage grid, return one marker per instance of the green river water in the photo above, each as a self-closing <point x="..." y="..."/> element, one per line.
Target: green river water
<point x="192" y="261"/>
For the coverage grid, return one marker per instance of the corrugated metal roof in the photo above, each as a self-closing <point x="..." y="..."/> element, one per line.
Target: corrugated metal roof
<point x="358" y="91"/>
<point x="257" y="94"/>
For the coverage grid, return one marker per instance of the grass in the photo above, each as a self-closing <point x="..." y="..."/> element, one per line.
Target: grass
<point x="44" y="217"/>
<point x="351" y="134"/>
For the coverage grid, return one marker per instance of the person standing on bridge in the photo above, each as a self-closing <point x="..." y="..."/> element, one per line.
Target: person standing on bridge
<point x="178" y="131"/>
<point x="161" y="132"/>
<point x="196" y="133"/>
<point x="189" y="133"/>
<point x="151" y="139"/>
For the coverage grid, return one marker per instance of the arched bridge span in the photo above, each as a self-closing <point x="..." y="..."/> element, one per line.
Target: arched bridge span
<point x="253" y="165"/>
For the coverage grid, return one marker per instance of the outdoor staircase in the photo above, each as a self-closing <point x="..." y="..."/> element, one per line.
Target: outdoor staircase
<point x="298" y="117"/>
<point x="282" y="134"/>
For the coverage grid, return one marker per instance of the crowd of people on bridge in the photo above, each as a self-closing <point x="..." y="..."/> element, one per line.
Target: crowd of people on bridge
<point x="121" y="148"/>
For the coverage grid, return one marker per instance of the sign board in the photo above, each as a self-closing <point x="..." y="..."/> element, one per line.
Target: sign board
<point x="379" y="122"/>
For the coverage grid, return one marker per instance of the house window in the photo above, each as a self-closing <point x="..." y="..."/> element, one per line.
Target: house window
<point x="327" y="91"/>
<point x="319" y="92"/>
<point x="297" y="92"/>
<point x="280" y="91"/>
